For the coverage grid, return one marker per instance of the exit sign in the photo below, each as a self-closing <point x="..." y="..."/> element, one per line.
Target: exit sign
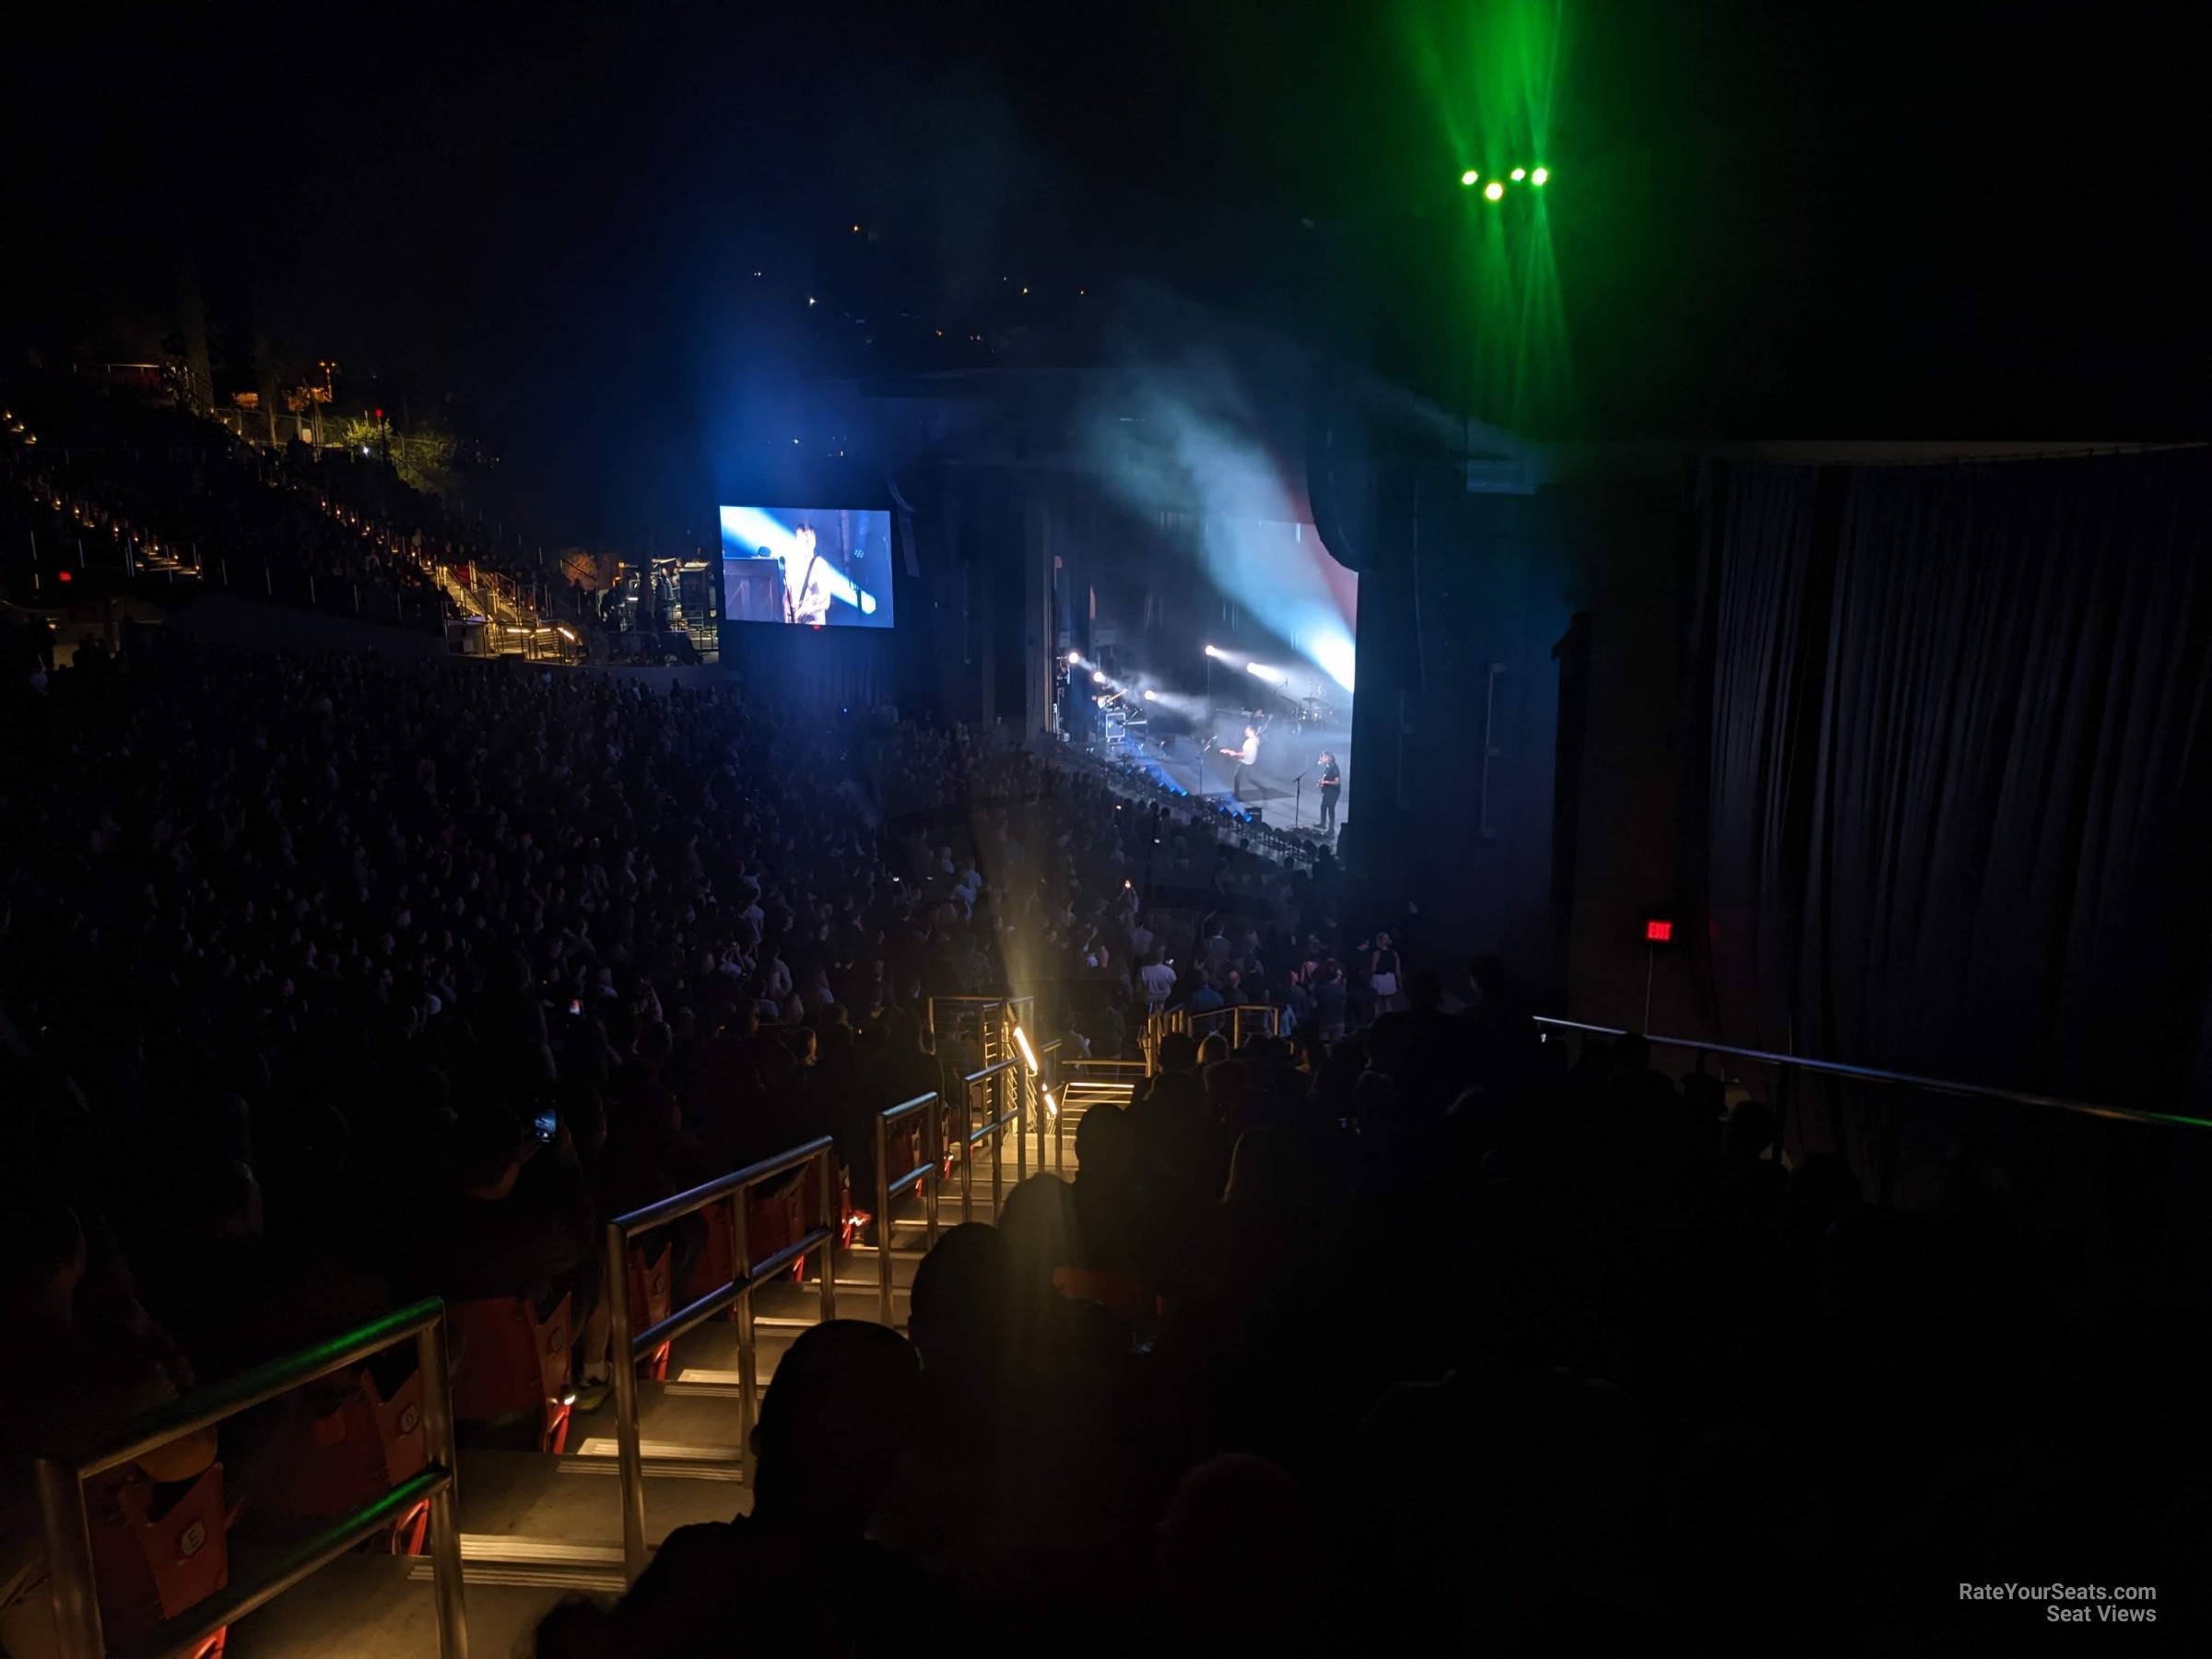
<point x="1657" y="930"/>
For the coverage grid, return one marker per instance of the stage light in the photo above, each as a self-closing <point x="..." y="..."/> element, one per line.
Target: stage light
<point x="1519" y="173"/>
<point x="1541" y="176"/>
<point x="1261" y="671"/>
<point x="1098" y="675"/>
<point x="1213" y="651"/>
<point x="1469" y="176"/>
<point x="1494" y="191"/>
<point x="1075" y="659"/>
<point x="1150" y="695"/>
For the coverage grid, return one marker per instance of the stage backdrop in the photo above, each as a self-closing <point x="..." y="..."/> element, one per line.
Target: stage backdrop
<point x="1961" y="767"/>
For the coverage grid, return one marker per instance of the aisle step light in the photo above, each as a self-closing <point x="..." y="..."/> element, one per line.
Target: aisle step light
<point x="1028" y="1054"/>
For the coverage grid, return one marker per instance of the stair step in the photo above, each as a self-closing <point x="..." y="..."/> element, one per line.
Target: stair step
<point x="380" y="1607"/>
<point x="551" y="1563"/>
<point x="662" y="1459"/>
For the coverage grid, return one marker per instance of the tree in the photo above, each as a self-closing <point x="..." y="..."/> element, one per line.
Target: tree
<point x="422" y="452"/>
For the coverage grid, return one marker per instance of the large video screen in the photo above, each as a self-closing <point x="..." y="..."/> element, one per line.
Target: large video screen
<point x="807" y="567"/>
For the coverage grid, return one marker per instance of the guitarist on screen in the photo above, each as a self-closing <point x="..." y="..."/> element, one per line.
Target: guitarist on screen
<point x="806" y="583"/>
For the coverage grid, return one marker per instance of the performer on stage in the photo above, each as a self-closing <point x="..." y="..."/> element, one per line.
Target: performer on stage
<point x="805" y="582"/>
<point x="1332" y="787"/>
<point x="1245" y="758"/>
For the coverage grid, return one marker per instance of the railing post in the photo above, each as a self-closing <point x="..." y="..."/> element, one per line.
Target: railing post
<point x="432" y="1360"/>
<point x="630" y="1454"/>
<point x="1023" y="1083"/>
<point x="68" y="1528"/>
<point x="883" y="1219"/>
<point x="932" y="1147"/>
<point x="834" y="1223"/>
<point x="998" y="1137"/>
<point x="748" y="1377"/>
<point x="967" y="1151"/>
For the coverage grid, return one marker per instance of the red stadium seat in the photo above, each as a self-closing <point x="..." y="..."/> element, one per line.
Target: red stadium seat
<point x="153" y="1563"/>
<point x="775" y="1220"/>
<point x="652" y="1299"/>
<point x="513" y="1365"/>
<point x="345" y="1445"/>
<point x="712" y="1269"/>
<point x="1124" y="1295"/>
<point x="405" y="1448"/>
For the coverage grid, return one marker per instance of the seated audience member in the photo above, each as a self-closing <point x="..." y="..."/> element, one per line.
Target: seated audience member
<point x="1106" y="1188"/>
<point x="89" y="1366"/>
<point x="797" y="1575"/>
<point x="944" y="1513"/>
<point x="1421" y="1049"/>
<point x="516" y="1218"/>
<point x="1241" y="1567"/>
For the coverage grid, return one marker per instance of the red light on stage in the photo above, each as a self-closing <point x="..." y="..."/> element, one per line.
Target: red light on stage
<point x="1658" y="932"/>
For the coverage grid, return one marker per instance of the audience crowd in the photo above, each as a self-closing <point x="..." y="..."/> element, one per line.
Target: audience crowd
<point x="127" y="493"/>
<point x="329" y="982"/>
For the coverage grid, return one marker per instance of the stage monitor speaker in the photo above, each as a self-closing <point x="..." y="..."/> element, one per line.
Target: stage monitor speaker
<point x="1259" y="813"/>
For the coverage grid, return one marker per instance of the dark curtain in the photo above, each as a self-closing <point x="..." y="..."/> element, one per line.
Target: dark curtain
<point x="1960" y="774"/>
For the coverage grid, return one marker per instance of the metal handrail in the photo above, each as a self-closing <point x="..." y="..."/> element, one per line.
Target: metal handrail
<point x="977" y="1002"/>
<point x="67" y="1523"/>
<point x="1234" y="1013"/>
<point x="1869" y="1073"/>
<point x="745" y="1276"/>
<point x="1048" y="1075"/>
<point x="996" y="1129"/>
<point x="887" y="1189"/>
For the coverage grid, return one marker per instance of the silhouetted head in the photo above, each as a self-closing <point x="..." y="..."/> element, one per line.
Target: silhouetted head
<point x="1750" y="1131"/>
<point x="1178" y="1052"/>
<point x="1271" y="1165"/>
<point x="841" y="1409"/>
<point x="41" y="1264"/>
<point x="1041" y="1231"/>
<point x="488" y="1150"/>
<point x="959" y="1321"/>
<point x="1237" y="1541"/>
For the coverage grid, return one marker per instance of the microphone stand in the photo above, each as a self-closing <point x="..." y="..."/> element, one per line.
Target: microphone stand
<point x="1298" y="801"/>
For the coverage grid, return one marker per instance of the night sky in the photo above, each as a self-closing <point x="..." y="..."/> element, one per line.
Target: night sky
<point x="1879" y="220"/>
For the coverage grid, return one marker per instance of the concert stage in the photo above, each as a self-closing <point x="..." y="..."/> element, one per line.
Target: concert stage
<point x="1274" y="788"/>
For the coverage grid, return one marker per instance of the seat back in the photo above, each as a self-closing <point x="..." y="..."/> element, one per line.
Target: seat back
<point x="400" y="1436"/>
<point x="326" y="1459"/>
<point x="652" y="1294"/>
<point x="1124" y="1295"/>
<point x="513" y="1364"/>
<point x="712" y="1269"/>
<point x="152" y="1563"/>
<point x="772" y="1221"/>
